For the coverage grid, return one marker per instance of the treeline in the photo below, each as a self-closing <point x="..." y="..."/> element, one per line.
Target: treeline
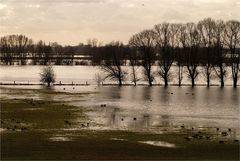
<point x="20" y="49"/>
<point x="211" y="44"/>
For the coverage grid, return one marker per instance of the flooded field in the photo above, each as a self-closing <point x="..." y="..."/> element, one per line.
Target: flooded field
<point x="153" y="121"/>
<point x="83" y="74"/>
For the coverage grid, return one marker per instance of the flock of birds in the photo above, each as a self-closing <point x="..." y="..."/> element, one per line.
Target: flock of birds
<point x="201" y="135"/>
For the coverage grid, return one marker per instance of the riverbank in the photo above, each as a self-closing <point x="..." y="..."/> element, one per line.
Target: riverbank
<point x="109" y="84"/>
<point x="40" y="124"/>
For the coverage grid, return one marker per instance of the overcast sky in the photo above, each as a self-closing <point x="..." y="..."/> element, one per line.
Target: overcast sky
<point x="70" y="22"/>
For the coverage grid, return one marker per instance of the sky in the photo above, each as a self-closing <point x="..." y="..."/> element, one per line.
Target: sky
<point x="70" y="22"/>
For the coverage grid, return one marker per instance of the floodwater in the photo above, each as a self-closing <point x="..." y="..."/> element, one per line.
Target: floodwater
<point x="150" y="109"/>
<point x="157" y="108"/>
<point x="142" y="108"/>
<point x="83" y="74"/>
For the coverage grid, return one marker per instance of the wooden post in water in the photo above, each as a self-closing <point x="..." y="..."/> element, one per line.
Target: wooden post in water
<point x="60" y="83"/>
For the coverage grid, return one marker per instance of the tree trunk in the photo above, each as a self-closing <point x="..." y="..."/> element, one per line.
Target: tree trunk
<point x="135" y="83"/>
<point x="48" y="84"/>
<point x="134" y="76"/>
<point x="222" y="81"/>
<point x="235" y="79"/>
<point x="208" y="80"/>
<point x="193" y="82"/>
<point x="119" y="82"/>
<point x="149" y="78"/>
<point x="222" y="76"/>
<point x="166" y="82"/>
<point x="150" y="82"/>
<point x="179" y="76"/>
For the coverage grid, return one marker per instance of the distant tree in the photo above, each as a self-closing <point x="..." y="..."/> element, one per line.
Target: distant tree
<point x="39" y="55"/>
<point x="98" y="78"/>
<point x="113" y="67"/>
<point x="232" y="41"/>
<point x="16" y="46"/>
<point x="47" y="76"/>
<point x="47" y="54"/>
<point x="6" y="51"/>
<point x="58" y="52"/>
<point x="193" y="42"/>
<point x="219" y="53"/>
<point x="165" y="37"/>
<point x="21" y="44"/>
<point x="92" y="42"/>
<point x="181" y="51"/>
<point x="206" y="30"/>
<point x="134" y="67"/>
<point x="144" y="43"/>
<point x="92" y="47"/>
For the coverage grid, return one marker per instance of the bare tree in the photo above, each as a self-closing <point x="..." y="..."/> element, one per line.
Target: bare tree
<point x="98" y="79"/>
<point x="112" y="68"/>
<point x="58" y="52"/>
<point x="193" y="41"/>
<point x="16" y="46"/>
<point x="47" y="76"/>
<point x="6" y="51"/>
<point x="220" y="54"/>
<point x="165" y="37"/>
<point x="232" y="41"/>
<point x="206" y="29"/>
<point x="69" y="51"/>
<point x="39" y="52"/>
<point x="21" y="44"/>
<point x="144" y="43"/>
<point x="181" y="51"/>
<point x="134" y="67"/>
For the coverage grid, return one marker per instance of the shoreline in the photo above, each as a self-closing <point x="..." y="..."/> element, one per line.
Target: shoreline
<point x="114" y="84"/>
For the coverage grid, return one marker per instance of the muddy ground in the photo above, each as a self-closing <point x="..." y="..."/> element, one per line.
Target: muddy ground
<point x="34" y="126"/>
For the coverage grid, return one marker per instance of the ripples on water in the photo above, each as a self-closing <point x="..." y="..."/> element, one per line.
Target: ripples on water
<point x="153" y="109"/>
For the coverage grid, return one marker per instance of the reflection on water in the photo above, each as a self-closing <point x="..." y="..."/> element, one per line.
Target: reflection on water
<point x="145" y="108"/>
<point x="159" y="143"/>
<point x="151" y="109"/>
<point x="60" y="138"/>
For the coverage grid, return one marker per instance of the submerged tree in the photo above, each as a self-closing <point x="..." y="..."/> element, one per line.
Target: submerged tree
<point x="98" y="78"/>
<point x="165" y="43"/>
<point x="133" y="60"/>
<point x="144" y="43"/>
<point x="219" y="53"/>
<point x="47" y="76"/>
<point x="192" y="52"/>
<point x="181" y="51"/>
<point x="113" y="67"/>
<point x="206" y="29"/>
<point x="232" y="41"/>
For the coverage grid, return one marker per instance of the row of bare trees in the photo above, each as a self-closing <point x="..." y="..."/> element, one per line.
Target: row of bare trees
<point x="211" y="44"/>
<point x="20" y="47"/>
